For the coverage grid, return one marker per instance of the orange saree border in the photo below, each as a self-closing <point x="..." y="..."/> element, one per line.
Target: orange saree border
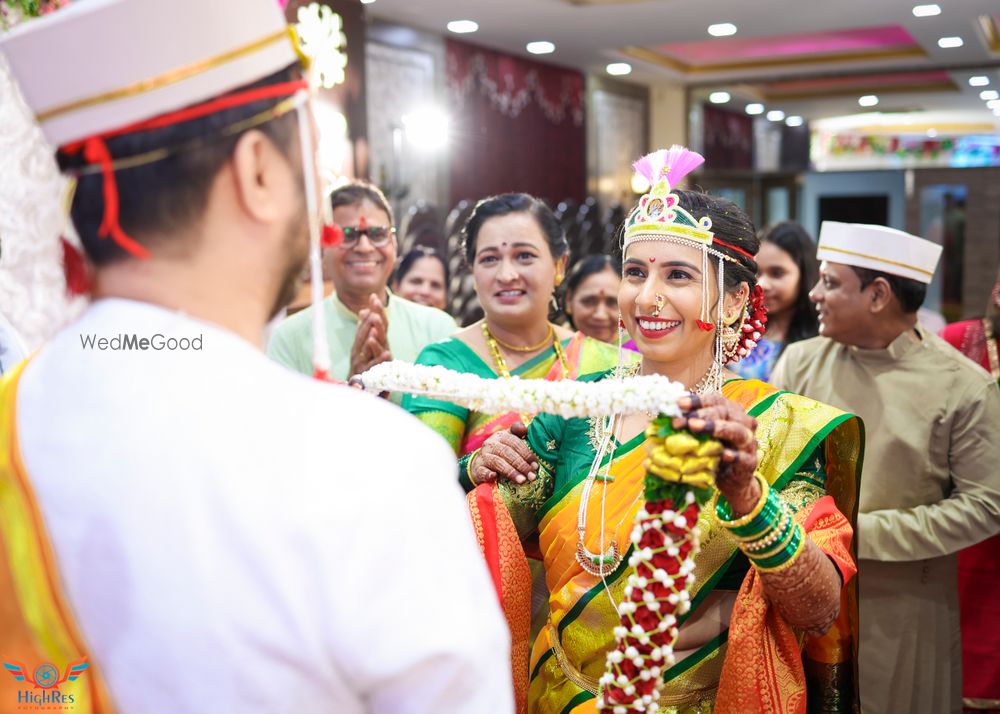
<point x="508" y="566"/>
<point x="763" y="670"/>
<point x="36" y="624"/>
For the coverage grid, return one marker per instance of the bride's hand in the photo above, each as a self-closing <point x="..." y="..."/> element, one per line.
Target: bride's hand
<point x="725" y="420"/>
<point x="505" y="455"/>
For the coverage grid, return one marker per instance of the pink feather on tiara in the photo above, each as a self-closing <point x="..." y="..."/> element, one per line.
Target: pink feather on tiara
<point x="679" y="160"/>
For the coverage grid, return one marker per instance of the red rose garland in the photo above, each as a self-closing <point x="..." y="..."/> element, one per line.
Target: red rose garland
<point x="679" y="475"/>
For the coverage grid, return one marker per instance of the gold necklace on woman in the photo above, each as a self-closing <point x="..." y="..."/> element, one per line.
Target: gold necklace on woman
<point x="501" y="364"/>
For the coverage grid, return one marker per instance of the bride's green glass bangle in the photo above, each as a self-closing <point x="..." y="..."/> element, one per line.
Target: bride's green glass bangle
<point x="788" y="555"/>
<point x="725" y="513"/>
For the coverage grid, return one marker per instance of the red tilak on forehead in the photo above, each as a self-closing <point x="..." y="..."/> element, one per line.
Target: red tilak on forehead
<point x="363" y="224"/>
<point x="652" y="260"/>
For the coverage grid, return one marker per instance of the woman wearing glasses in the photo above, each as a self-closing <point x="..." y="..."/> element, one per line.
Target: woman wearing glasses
<point x="365" y="322"/>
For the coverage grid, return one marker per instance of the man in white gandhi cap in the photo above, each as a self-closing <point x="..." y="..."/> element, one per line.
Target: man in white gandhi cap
<point x="931" y="480"/>
<point x="185" y="525"/>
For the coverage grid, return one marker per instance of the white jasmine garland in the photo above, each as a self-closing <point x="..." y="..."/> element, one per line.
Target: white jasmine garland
<point x="652" y="394"/>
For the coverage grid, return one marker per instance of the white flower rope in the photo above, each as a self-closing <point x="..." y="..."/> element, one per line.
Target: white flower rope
<point x="680" y="472"/>
<point x="650" y="394"/>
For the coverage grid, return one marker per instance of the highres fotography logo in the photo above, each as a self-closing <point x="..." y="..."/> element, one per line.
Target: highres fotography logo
<point x="132" y="342"/>
<point x="45" y="693"/>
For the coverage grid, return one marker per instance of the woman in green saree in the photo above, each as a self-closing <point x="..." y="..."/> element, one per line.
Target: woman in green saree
<point x="517" y="252"/>
<point x="770" y="612"/>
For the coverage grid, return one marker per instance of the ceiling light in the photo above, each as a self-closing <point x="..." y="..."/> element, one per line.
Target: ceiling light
<point x="926" y="10"/>
<point x="948" y="43"/>
<point x="993" y="104"/>
<point x="367" y="2"/>
<point x="462" y="27"/>
<point x="794" y="121"/>
<point x="775" y="115"/>
<point x="988" y="94"/>
<point x="869" y="100"/>
<point x="932" y="133"/>
<point x="722" y="29"/>
<point x="755" y="109"/>
<point x="640" y="184"/>
<point x="427" y="128"/>
<point x="719" y="97"/>
<point x="619" y="68"/>
<point x="979" y="81"/>
<point x="540" y="48"/>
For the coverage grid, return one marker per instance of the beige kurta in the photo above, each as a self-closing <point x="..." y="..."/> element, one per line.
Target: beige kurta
<point x="930" y="487"/>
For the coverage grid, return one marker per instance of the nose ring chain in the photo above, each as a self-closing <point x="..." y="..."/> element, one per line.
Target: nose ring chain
<point x="658" y="302"/>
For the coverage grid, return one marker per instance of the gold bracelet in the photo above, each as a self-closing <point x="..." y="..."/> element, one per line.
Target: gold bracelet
<point x="764" y="542"/>
<point x="792" y="559"/>
<point x="468" y="467"/>
<point x="765" y="487"/>
<point x="773" y="551"/>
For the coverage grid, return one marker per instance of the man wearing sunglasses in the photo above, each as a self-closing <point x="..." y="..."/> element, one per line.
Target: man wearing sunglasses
<point x="365" y="322"/>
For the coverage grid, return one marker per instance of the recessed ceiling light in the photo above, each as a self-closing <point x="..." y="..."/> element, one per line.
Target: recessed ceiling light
<point x="932" y="133"/>
<point x="462" y="27"/>
<point x="719" y="97"/>
<point x="540" y="48"/>
<point x="619" y="68"/>
<point x="794" y="121"/>
<point x="993" y="104"/>
<point x="367" y="2"/>
<point x="869" y="100"/>
<point x="979" y="81"/>
<point x="755" y="109"/>
<point x="926" y="10"/>
<point x="775" y="115"/>
<point x="989" y="94"/>
<point x="722" y="29"/>
<point x="948" y="43"/>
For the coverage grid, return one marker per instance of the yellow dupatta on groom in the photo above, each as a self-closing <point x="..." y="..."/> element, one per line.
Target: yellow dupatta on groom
<point x="36" y="622"/>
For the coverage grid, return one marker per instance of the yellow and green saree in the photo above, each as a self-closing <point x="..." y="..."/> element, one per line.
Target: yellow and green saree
<point x="808" y="451"/>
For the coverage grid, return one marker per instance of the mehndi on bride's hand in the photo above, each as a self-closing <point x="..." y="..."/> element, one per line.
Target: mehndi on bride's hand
<point x="725" y="420"/>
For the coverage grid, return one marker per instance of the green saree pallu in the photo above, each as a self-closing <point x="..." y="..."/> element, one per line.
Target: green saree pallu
<point x="809" y="452"/>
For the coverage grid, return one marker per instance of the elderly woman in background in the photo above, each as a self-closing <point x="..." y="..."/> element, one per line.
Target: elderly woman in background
<point x="591" y="302"/>
<point x="422" y="277"/>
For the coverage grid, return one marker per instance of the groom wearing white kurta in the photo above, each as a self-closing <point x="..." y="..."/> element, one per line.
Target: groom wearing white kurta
<point x="225" y="535"/>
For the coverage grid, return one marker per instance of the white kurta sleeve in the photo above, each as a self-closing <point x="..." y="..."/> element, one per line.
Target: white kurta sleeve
<point x="425" y="632"/>
<point x="971" y="512"/>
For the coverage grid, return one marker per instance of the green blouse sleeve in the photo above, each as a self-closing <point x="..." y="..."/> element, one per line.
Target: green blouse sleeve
<point x="446" y="418"/>
<point x="437" y="354"/>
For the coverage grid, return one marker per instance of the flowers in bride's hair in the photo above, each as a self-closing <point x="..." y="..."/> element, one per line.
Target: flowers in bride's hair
<point x="320" y="35"/>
